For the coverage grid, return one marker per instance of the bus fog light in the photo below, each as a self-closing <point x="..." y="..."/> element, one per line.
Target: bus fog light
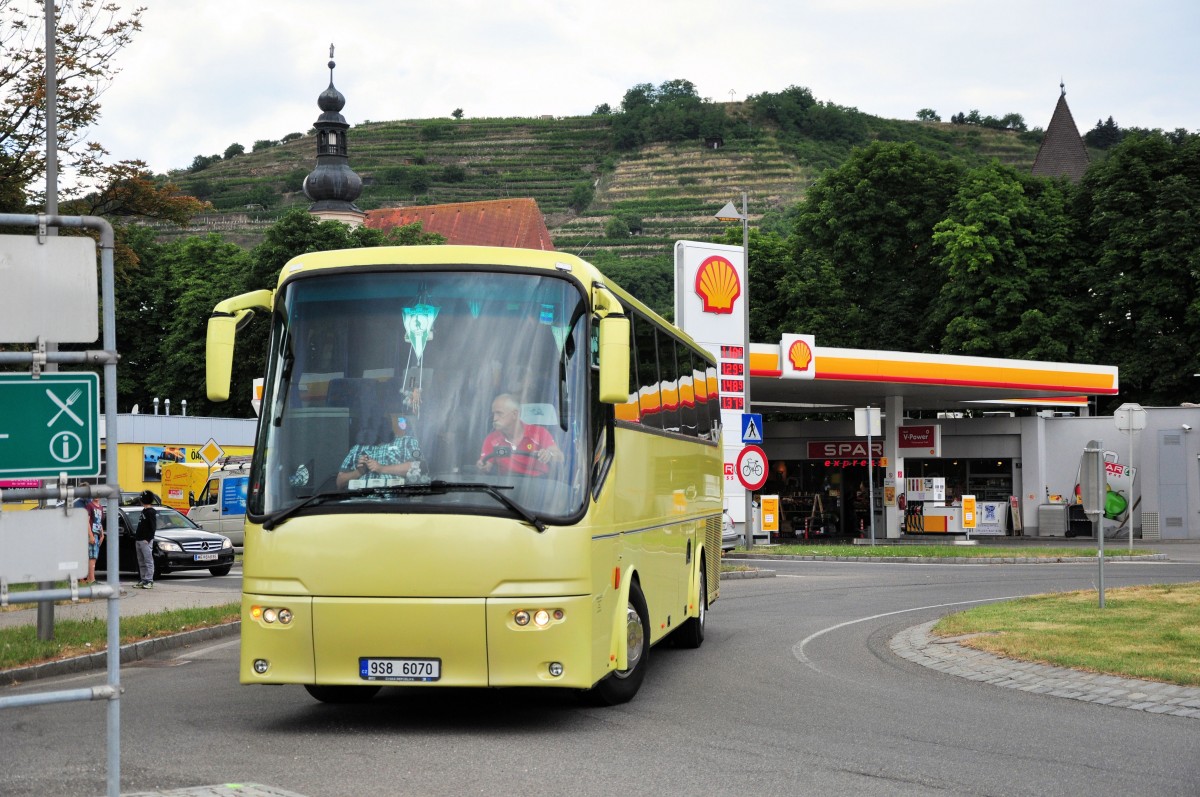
<point x="541" y="618"/>
<point x="285" y="616"/>
<point x="270" y="615"/>
<point x="521" y="617"/>
<point x="558" y="614"/>
<point x="262" y="665"/>
<point x="556" y="668"/>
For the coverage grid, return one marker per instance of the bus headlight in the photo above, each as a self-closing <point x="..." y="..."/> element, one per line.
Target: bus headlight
<point x="541" y="618"/>
<point x="271" y="615"/>
<point x="556" y="668"/>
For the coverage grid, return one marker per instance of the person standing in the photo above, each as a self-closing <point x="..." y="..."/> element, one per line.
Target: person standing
<point x="143" y="541"/>
<point x="95" y="516"/>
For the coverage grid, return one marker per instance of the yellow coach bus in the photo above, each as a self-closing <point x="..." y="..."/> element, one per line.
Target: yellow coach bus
<point x="475" y="467"/>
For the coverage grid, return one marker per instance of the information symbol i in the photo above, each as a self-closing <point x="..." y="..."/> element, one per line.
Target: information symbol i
<point x="66" y="447"/>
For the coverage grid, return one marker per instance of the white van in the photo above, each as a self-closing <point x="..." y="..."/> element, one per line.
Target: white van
<point x="221" y="505"/>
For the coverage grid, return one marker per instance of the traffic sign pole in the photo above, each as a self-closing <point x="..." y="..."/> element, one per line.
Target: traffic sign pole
<point x="752" y="471"/>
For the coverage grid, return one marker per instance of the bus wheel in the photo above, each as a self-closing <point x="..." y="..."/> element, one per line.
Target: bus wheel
<point x="691" y="633"/>
<point x="620" y="686"/>
<point x="342" y="694"/>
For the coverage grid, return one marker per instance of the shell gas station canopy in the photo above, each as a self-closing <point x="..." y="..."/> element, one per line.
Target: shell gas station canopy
<point x="711" y="298"/>
<point x="796" y="373"/>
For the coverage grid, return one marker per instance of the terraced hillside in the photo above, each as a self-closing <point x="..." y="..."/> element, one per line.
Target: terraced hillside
<point x="669" y="191"/>
<point x="674" y="190"/>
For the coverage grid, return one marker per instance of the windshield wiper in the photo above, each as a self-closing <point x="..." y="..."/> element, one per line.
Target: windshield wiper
<point x="283" y="514"/>
<point x="440" y="486"/>
<point x="432" y="488"/>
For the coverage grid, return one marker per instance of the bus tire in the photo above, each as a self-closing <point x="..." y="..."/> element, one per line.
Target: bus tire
<point x="342" y="694"/>
<point x="620" y="686"/>
<point x="691" y="633"/>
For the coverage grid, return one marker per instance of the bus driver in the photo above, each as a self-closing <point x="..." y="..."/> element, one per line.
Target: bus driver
<point x="516" y="447"/>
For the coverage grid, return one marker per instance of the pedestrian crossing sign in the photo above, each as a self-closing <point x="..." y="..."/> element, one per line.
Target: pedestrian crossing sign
<point x="752" y="427"/>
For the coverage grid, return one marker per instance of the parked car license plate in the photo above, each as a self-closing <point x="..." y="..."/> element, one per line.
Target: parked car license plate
<point x="206" y="557"/>
<point x="399" y="669"/>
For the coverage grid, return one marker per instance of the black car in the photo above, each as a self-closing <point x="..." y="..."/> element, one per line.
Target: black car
<point x="179" y="544"/>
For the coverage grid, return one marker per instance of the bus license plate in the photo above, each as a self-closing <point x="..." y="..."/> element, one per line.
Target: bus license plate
<point x="206" y="557"/>
<point x="400" y="669"/>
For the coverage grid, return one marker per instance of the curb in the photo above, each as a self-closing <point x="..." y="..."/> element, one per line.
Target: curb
<point x="918" y="645"/>
<point x="134" y="651"/>
<point x="951" y="560"/>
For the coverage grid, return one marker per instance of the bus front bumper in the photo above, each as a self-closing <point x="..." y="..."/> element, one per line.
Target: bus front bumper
<point x="474" y="642"/>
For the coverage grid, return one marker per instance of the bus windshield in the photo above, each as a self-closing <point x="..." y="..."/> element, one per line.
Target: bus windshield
<point x="425" y="391"/>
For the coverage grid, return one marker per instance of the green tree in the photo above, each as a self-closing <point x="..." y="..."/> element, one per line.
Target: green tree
<point x="872" y="219"/>
<point x="457" y="113"/>
<point x="233" y="150"/>
<point x="1104" y="135"/>
<point x="189" y="277"/>
<point x="1005" y="247"/>
<point x="1140" y="211"/>
<point x="89" y="34"/>
<point x="928" y="115"/>
<point x="616" y="227"/>
<point x="264" y="143"/>
<point x="581" y="197"/>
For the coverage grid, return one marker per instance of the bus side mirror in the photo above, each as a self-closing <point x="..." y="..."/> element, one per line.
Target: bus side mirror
<point x="614" y="360"/>
<point x="191" y="497"/>
<point x="228" y="317"/>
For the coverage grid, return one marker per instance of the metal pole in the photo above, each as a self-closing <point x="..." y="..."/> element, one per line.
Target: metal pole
<point x="112" y="551"/>
<point x="45" y="611"/>
<point x="1132" y="470"/>
<point x="1101" y="487"/>
<point x="870" y="476"/>
<point x="746" y="354"/>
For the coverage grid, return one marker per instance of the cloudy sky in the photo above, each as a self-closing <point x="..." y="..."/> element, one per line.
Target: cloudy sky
<point x="203" y="74"/>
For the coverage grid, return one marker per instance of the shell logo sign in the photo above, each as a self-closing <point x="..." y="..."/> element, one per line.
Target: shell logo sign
<point x="717" y="284"/>
<point x="800" y="355"/>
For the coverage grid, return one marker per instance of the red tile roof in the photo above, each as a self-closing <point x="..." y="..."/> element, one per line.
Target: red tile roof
<point x="497" y="222"/>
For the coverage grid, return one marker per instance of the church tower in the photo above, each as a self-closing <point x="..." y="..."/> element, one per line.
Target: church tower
<point x="1062" y="153"/>
<point x="332" y="185"/>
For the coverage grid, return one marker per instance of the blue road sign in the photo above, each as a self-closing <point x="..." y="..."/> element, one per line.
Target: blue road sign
<point x="752" y="428"/>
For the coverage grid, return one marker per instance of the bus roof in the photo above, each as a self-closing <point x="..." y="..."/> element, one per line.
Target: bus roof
<point x="453" y="255"/>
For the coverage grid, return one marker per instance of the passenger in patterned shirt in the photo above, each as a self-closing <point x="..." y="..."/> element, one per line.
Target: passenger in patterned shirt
<point x="393" y="452"/>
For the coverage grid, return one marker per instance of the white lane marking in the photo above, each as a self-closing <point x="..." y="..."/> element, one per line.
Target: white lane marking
<point x="798" y="648"/>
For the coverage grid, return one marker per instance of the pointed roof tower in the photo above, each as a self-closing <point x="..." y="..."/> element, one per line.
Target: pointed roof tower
<point x="1062" y="153"/>
<point x="332" y="185"/>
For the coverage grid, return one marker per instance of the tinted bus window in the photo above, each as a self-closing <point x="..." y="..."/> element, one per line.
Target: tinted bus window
<point x="646" y="351"/>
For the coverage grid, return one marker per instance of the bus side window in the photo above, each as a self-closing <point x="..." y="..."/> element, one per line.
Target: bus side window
<point x="646" y="353"/>
<point x="668" y="386"/>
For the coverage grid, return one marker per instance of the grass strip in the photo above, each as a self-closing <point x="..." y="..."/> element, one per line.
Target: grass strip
<point x="20" y="647"/>
<point x="939" y="551"/>
<point x="1149" y="632"/>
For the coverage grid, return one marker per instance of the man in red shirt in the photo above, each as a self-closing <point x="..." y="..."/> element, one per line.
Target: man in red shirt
<point x="515" y="447"/>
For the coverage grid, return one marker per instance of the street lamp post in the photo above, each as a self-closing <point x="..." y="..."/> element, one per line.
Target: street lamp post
<point x="730" y="213"/>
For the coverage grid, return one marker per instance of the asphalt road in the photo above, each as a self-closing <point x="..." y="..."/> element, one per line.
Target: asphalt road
<point x="794" y="692"/>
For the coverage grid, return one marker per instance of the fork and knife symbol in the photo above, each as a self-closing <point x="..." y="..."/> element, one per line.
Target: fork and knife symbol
<point x="65" y="406"/>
